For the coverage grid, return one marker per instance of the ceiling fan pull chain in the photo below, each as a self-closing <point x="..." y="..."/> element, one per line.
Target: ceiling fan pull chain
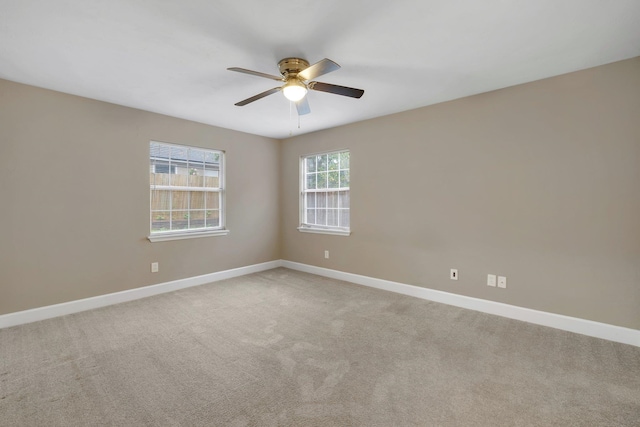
<point x="290" y="117"/>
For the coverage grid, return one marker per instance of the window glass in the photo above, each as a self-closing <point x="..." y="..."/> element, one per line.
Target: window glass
<point x="325" y="192"/>
<point x="185" y="188"/>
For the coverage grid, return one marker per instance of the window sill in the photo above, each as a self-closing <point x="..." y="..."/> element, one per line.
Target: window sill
<point x="163" y="237"/>
<point x="325" y="231"/>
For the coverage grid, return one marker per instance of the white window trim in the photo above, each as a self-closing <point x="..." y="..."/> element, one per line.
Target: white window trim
<point x="221" y="230"/>
<point x="177" y="235"/>
<point x="319" y="229"/>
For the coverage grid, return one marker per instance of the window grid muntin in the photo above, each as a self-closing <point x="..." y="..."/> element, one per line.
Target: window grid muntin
<point x="205" y="164"/>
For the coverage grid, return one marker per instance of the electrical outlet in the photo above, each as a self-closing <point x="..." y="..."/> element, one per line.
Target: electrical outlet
<point x="326" y="254"/>
<point x="453" y="274"/>
<point x="154" y="267"/>
<point x="491" y="280"/>
<point x="502" y="282"/>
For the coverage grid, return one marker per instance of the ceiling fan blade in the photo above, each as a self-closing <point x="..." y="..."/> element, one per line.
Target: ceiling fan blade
<point x="255" y="73"/>
<point x="318" y="69"/>
<point x="338" y="90"/>
<point x="258" y="96"/>
<point x="303" y="106"/>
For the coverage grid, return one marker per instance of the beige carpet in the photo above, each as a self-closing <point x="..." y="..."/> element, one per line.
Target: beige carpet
<point x="283" y="348"/>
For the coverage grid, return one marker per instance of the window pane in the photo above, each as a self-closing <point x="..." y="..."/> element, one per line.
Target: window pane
<point x="212" y="200"/>
<point x="179" y="220"/>
<point x="197" y="200"/>
<point x="213" y="218"/>
<point x="196" y="178"/>
<point x="332" y="199"/>
<point x="344" y="160"/>
<point x="158" y="178"/>
<point x="321" y="200"/>
<point x="321" y="163"/>
<point x="332" y="217"/>
<point x="180" y="200"/>
<point x="344" y="199"/>
<point x="344" y="179"/>
<point x="211" y="170"/>
<point x="311" y="164"/>
<point x="311" y="216"/>
<point x="334" y="161"/>
<point x="179" y="153"/>
<point x="211" y="178"/>
<point x="334" y="179"/>
<point x="196" y="156"/>
<point x="344" y="218"/>
<point x="321" y="217"/>
<point x="178" y="166"/>
<point x="322" y="180"/>
<point x="210" y="157"/>
<point x="311" y="181"/>
<point x="195" y="167"/>
<point x="180" y="178"/>
<point x="160" y="200"/>
<point x="196" y="219"/>
<point x="311" y="200"/>
<point x="160" y="220"/>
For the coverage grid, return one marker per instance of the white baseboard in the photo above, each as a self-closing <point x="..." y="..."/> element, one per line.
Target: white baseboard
<point x="558" y="321"/>
<point x="42" y="313"/>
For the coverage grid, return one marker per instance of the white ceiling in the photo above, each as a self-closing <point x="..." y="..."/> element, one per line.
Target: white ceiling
<point x="171" y="56"/>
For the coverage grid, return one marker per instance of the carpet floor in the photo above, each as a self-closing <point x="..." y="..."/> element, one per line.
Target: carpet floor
<point x="284" y="348"/>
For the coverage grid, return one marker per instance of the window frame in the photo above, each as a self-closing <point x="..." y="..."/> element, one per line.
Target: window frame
<point x="220" y="229"/>
<point x="314" y="228"/>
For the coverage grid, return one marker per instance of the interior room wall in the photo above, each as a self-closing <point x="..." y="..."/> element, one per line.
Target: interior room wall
<point x="537" y="182"/>
<point x="74" y="199"/>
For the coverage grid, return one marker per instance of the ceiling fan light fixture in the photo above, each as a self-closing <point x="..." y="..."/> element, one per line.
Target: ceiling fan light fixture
<point x="294" y="90"/>
<point x="294" y="73"/>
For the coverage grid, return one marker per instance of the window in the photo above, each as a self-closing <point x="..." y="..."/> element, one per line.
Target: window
<point x="324" y="204"/>
<point x="186" y="192"/>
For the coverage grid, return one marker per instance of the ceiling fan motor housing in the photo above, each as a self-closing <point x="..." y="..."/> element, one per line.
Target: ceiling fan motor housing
<point x="292" y="66"/>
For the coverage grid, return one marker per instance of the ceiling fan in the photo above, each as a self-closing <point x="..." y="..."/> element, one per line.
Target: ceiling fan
<point x="296" y="73"/>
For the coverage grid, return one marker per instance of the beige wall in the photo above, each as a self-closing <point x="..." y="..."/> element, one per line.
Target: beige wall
<point x="74" y="199"/>
<point x="538" y="182"/>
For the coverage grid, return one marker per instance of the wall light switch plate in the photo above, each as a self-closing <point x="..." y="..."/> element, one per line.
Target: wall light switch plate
<point x="154" y="267"/>
<point x="502" y="281"/>
<point x="491" y="280"/>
